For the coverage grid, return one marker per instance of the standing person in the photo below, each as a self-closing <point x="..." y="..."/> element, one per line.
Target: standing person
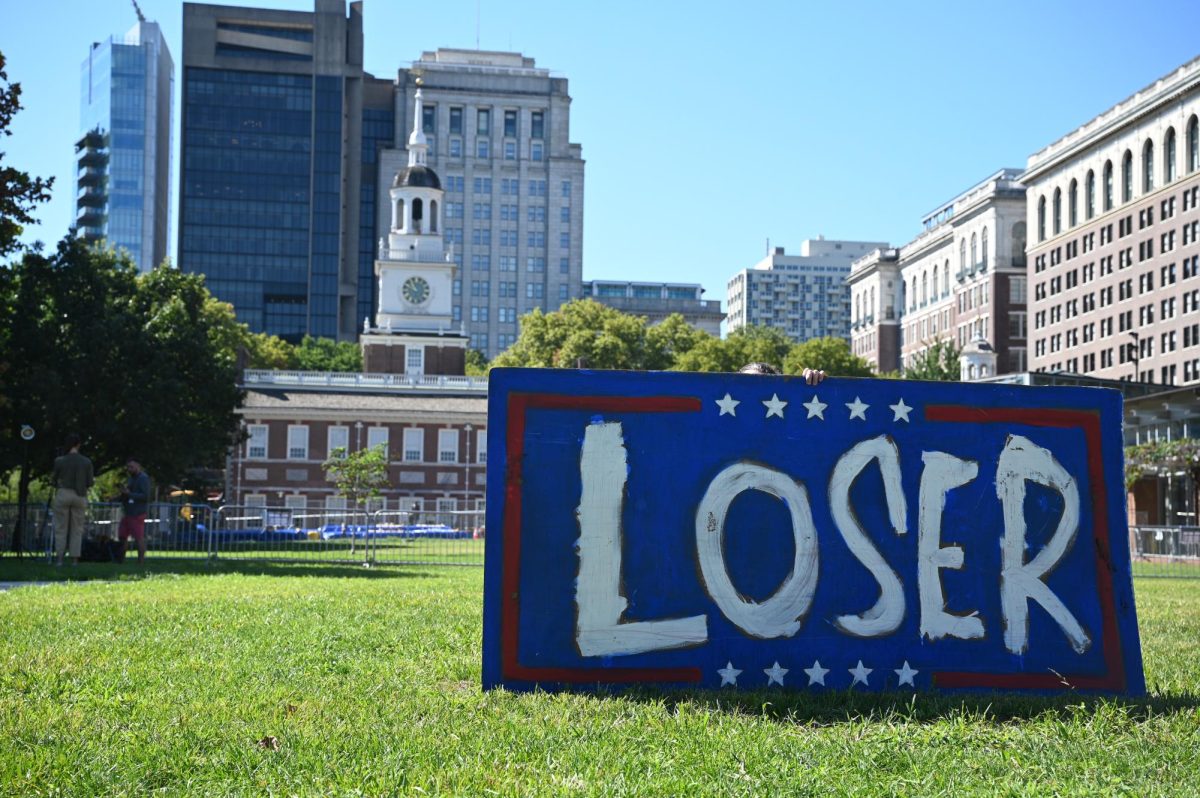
<point x="134" y="497"/>
<point x="72" y="477"/>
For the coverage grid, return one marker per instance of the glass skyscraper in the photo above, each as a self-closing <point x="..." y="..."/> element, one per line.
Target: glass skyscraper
<point x="123" y="155"/>
<point x="273" y="161"/>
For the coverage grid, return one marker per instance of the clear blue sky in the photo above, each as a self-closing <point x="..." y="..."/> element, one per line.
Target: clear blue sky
<point x="710" y="127"/>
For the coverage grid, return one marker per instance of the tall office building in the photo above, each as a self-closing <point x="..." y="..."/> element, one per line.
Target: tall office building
<point x="123" y="180"/>
<point x="498" y="133"/>
<point x="280" y="131"/>
<point x="804" y="295"/>
<point x="1114" y="217"/>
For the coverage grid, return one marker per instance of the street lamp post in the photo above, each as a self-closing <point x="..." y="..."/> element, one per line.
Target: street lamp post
<point x="1137" y="354"/>
<point x="467" y="484"/>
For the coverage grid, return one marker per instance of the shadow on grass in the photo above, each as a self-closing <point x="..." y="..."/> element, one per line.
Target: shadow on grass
<point x="833" y="707"/>
<point x="28" y="569"/>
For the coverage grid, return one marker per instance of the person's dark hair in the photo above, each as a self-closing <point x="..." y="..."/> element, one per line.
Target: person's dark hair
<point x="71" y="441"/>
<point x="758" y="368"/>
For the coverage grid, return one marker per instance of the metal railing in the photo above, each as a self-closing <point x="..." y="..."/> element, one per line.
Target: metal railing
<point x="1165" y="551"/>
<point x="443" y="536"/>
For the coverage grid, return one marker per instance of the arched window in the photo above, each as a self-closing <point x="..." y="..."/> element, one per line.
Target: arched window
<point x="1073" y="204"/>
<point x="962" y="255"/>
<point x="872" y="308"/>
<point x="924" y="288"/>
<point x="1148" y="167"/>
<point x="1041" y="219"/>
<point x="1127" y="177"/>
<point x="1108" y="186"/>
<point x="983" y="249"/>
<point x="1057" y="219"/>
<point x="433" y="216"/>
<point x="974" y="250"/>
<point x="1089" y="195"/>
<point x="1017" y="242"/>
<point x="857" y="308"/>
<point x="1193" y="144"/>
<point x="946" y="278"/>
<point x="398" y="221"/>
<point x="1169" y="156"/>
<point x="417" y="216"/>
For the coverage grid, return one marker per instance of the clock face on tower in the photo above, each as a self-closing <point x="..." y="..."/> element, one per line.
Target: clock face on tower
<point x="415" y="290"/>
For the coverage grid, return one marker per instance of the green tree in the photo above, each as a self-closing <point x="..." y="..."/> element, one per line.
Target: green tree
<point x="938" y="362"/>
<point x="669" y="340"/>
<point x="142" y="366"/>
<point x="19" y="193"/>
<point x="476" y="363"/>
<point x="751" y="344"/>
<point x="831" y="355"/>
<point x="326" y="354"/>
<point x="580" y="333"/>
<point x="359" y="475"/>
<point x="266" y="351"/>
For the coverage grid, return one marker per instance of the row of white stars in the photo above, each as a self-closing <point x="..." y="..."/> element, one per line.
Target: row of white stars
<point x="816" y="674"/>
<point x="816" y="408"/>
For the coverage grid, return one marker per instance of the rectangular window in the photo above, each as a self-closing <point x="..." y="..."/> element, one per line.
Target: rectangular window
<point x="455" y="147"/>
<point x="483" y="122"/>
<point x="536" y="238"/>
<point x="564" y="240"/>
<point x="510" y="123"/>
<point x="335" y="503"/>
<point x="256" y="444"/>
<point x="456" y="119"/>
<point x="414" y="445"/>
<point x="429" y="118"/>
<point x="447" y="446"/>
<point x="483" y="185"/>
<point x="482" y="149"/>
<point x="297" y="442"/>
<point x="378" y="436"/>
<point x="536" y="152"/>
<point x="482" y="210"/>
<point x="564" y="265"/>
<point x="338" y="438"/>
<point x="537" y="125"/>
<point x="295" y="502"/>
<point x="510" y="150"/>
<point x="414" y="360"/>
<point x="535" y="264"/>
<point x="566" y="188"/>
<point x="534" y="291"/>
<point x="481" y="236"/>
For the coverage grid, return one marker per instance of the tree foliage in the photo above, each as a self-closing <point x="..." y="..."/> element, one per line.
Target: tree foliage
<point x="939" y="362"/>
<point x="359" y="475"/>
<point x="583" y="333"/>
<point x="140" y="366"/>
<point x="19" y="193"/>
<point x="831" y="355"/>
<point x="751" y="344"/>
<point x="264" y="351"/>
<point x="1155" y="457"/>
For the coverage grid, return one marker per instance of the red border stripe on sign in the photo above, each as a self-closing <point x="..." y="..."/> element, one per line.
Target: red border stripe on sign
<point x="1089" y="422"/>
<point x="518" y="405"/>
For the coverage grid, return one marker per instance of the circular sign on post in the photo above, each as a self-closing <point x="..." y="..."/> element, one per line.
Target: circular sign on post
<point x="27" y="433"/>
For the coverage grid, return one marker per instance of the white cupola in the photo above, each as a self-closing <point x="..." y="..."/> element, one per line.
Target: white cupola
<point x="416" y="195"/>
<point x="978" y="360"/>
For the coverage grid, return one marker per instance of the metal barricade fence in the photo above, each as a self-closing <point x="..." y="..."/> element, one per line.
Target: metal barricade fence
<point x="1165" y="551"/>
<point x="282" y="534"/>
<point x="427" y="537"/>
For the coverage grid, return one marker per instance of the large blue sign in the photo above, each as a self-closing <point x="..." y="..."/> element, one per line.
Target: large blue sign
<point x="750" y="532"/>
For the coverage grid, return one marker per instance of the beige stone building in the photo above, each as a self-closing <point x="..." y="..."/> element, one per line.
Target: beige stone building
<point x="1114" y="212"/>
<point x="962" y="278"/>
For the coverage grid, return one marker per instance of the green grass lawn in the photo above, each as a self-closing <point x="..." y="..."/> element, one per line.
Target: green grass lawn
<point x="252" y="679"/>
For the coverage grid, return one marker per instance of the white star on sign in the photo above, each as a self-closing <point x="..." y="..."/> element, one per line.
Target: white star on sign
<point x="775" y="674"/>
<point x="860" y="674"/>
<point x="906" y="675"/>
<point x="729" y="674"/>
<point x="901" y="410"/>
<point x="727" y="405"/>
<point x="774" y="406"/>
<point x="858" y="409"/>
<point x="816" y="674"/>
<point x="815" y="407"/>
